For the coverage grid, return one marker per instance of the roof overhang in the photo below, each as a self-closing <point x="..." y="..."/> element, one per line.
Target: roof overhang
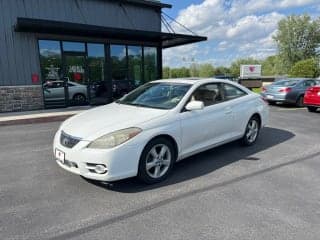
<point x="156" y="4"/>
<point x="165" y="40"/>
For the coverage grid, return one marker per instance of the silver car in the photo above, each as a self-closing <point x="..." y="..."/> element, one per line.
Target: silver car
<point x="54" y="90"/>
<point x="289" y="91"/>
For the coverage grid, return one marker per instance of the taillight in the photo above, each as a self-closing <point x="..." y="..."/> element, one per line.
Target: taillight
<point x="285" y="90"/>
<point x="315" y="90"/>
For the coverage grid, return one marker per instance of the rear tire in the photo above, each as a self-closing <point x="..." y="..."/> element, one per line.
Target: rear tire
<point x="312" y="109"/>
<point x="156" y="161"/>
<point x="79" y="98"/>
<point x="300" y="102"/>
<point x="252" y="131"/>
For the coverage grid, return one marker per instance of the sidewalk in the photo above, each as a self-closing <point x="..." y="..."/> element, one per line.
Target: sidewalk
<point x="39" y="116"/>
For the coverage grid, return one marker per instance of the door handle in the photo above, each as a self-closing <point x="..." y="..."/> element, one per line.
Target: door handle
<point x="228" y="110"/>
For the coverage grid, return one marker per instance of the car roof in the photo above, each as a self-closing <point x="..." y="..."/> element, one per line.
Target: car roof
<point x="193" y="81"/>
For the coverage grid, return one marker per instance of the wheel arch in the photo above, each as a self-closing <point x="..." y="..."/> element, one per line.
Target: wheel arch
<point x="171" y="139"/>
<point x="258" y="115"/>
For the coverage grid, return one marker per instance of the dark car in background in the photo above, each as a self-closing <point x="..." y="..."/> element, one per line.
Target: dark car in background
<point x="289" y="91"/>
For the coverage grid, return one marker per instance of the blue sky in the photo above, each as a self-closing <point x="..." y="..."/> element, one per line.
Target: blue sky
<point x="235" y="28"/>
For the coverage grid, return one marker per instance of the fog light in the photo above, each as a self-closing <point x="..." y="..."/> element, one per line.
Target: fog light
<point x="100" y="169"/>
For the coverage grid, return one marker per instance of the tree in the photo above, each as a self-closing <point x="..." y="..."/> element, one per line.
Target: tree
<point x="206" y="70"/>
<point x="194" y="70"/>
<point x="297" y="38"/>
<point x="305" y="68"/>
<point x="221" y="71"/>
<point x="180" y="72"/>
<point x="235" y="66"/>
<point x="166" y="72"/>
<point x="273" y="65"/>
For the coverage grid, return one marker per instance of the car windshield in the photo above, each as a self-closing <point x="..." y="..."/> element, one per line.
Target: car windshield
<point x="156" y="95"/>
<point x="286" y="83"/>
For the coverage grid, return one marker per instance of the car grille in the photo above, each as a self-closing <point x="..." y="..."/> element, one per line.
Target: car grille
<point x="68" y="141"/>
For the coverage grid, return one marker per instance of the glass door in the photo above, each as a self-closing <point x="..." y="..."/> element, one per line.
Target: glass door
<point x="75" y="79"/>
<point x="100" y="88"/>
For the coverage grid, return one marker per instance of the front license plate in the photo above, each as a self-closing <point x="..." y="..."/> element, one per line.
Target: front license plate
<point x="270" y="97"/>
<point x="60" y="155"/>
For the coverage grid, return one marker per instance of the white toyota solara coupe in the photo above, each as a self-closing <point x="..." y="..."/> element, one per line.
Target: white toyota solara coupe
<point x="147" y="131"/>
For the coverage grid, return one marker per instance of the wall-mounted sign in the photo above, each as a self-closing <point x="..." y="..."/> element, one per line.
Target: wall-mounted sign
<point x="35" y="78"/>
<point x="76" y="69"/>
<point x="250" y="71"/>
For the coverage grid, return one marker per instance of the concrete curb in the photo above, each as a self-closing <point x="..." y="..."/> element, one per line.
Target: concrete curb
<point x="32" y="120"/>
<point x="38" y="117"/>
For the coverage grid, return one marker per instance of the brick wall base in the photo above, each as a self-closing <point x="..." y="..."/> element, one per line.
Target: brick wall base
<point x="21" y="98"/>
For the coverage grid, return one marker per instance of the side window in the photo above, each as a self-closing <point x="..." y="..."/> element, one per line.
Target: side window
<point x="309" y="83"/>
<point x="232" y="92"/>
<point x="209" y="94"/>
<point x="57" y="85"/>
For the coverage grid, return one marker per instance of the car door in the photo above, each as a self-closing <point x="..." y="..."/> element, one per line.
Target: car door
<point x="204" y="128"/>
<point x="240" y="103"/>
<point x="54" y="90"/>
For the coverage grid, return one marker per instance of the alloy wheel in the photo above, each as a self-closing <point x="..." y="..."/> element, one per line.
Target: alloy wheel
<point x="158" y="161"/>
<point x="252" y="130"/>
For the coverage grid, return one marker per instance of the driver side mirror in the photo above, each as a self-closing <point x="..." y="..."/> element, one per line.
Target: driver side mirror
<point x="195" y="105"/>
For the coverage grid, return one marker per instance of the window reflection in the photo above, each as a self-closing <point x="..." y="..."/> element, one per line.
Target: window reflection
<point x="135" y="64"/>
<point x="126" y="70"/>
<point x="150" y="64"/>
<point x="73" y="46"/>
<point x="50" y="60"/>
<point x="96" y="73"/>
<point x="121" y="85"/>
<point x="119" y="62"/>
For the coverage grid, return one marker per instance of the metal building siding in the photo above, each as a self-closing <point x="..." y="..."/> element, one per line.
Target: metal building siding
<point x="19" y="51"/>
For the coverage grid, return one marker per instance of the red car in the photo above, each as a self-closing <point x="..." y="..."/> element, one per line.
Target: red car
<point x="312" y="98"/>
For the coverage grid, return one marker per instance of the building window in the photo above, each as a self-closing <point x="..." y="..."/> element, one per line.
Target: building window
<point x="96" y="62"/>
<point x="50" y="60"/>
<point x="135" y="65"/>
<point x="96" y="73"/>
<point x="119" y="62"/>
<point x="150" y="64"/>
<point x="73" y="47"/>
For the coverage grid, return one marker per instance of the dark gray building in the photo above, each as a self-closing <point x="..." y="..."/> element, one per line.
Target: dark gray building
<point x="57" y="53"/>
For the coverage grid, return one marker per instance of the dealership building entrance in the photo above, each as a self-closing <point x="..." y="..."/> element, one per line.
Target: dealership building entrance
<point x="78" y="52"/>
<point x="78" y="73"/>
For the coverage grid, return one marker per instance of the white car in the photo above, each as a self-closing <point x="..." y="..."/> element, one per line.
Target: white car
<point x="144" y="133"/>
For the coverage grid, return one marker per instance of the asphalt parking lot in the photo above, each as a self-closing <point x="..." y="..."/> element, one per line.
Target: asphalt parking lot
<point x="268" y="191"/>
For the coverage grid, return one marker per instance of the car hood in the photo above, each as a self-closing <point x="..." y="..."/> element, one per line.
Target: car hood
<point x="99" y="121"/>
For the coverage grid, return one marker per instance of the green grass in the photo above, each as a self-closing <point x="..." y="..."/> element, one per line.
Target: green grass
<point x="256" y="90"/>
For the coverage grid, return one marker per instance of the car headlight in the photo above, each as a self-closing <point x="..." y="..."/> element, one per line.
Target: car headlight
<point x="114" y="139"/>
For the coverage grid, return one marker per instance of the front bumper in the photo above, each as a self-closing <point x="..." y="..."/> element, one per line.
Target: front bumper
<point x="121" y="162"/>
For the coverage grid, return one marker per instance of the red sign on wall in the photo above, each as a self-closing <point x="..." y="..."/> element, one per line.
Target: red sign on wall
<point x="35" y="78"/>
<point x="77" y="77"/>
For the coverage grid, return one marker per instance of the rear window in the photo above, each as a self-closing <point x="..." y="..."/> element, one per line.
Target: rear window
<point x="286" y="83"/>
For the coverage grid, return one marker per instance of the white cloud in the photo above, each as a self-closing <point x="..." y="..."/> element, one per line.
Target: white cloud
<point x="235" y="28"/>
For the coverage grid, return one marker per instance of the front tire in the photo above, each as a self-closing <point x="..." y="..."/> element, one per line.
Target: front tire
<point x="252" y="131"/>
<point x="156" y="161"/>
